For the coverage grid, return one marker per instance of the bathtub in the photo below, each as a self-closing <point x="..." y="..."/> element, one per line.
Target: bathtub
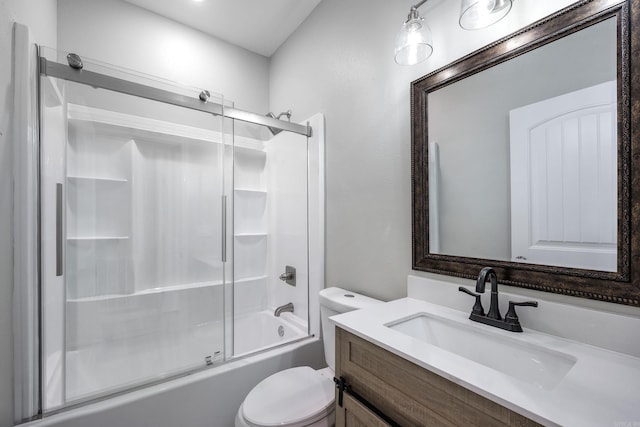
<point x="258" y="331"/>
<point x="209" y="397"/>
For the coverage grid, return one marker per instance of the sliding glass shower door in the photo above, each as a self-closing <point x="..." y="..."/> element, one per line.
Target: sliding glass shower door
<point x="271" y="239"/>
<point x="133" y="222"/>
<point x="174" y="231"/>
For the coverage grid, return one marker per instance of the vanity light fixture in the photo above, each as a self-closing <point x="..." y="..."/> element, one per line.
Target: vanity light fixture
<point x="414" y="43"/>
<point x="476" y="14"/>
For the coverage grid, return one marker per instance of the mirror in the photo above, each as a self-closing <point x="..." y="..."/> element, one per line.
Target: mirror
<point x="551" y="115"/>
<point x="521" y="158"/>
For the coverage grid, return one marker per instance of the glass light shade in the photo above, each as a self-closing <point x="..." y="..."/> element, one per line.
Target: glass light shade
<point x="413" y="42"/>
<point x="476" y="14"/>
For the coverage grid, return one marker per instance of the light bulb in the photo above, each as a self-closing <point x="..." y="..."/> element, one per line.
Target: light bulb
<point x="413" y="42"/>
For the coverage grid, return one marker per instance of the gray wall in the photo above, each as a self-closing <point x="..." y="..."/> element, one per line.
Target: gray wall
<point x="43" y="29"/>
<point x="340" y="63"/>
<point x="133" y="38"/>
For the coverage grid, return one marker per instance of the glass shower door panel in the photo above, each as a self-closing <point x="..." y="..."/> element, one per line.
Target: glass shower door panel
<point x="138" y="185"/>
<point x="271" y="233"/>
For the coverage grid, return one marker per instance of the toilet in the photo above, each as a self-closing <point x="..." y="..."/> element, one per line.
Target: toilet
<point x="302" y="396"/>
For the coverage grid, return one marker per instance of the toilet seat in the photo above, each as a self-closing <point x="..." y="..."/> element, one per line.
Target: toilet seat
<point x="294" y="397"/>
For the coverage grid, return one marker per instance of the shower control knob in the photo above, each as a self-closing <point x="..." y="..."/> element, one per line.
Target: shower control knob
<point x="289" y="275"/>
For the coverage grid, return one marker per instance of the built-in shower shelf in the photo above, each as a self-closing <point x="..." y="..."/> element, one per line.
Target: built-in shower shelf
<point x="95" y="178"/>
<point x="90" y="238"/>
<point x="245" y="235"/>
<point x="249" y="151"/>
<point x="150" y="291"/>
<point x="250" y="279"/>
<point x="138" y="127"/>
<point x="247" y="145"/>
<point x="181" y="287"/>
<point x="251" y="191"/>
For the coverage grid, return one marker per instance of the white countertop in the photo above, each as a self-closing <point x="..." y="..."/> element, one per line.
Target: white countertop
<point x="601" y="389"/>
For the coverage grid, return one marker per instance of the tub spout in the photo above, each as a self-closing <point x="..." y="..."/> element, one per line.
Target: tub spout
<point x="282" y="308"/>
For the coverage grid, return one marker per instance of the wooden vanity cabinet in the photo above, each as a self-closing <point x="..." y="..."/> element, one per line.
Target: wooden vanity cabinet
<point x="405" y="393"/>
<point x="355" y="414"/>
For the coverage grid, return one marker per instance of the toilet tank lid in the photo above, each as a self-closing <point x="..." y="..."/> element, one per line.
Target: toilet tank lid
<point x="342" y="301"/>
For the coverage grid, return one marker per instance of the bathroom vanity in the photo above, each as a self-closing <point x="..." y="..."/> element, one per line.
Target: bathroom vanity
<point x="406" y="393"/>
<point x="421" y="361"/>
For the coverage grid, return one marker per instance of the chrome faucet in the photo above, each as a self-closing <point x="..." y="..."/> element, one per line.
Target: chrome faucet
<point x="493" y="317"/>
<point x="283" y="308"/>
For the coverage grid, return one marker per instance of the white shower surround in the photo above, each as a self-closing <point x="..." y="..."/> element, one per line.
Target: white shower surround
<point x="132" y="312"/>
<point x="244" y="373"/>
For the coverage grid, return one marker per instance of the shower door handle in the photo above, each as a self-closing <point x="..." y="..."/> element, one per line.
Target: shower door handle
<point x="224" y="228"/>
<point x="59" y="247"/>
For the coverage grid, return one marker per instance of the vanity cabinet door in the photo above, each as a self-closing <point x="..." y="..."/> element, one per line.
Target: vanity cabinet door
<point x="355" y="414"/>
<point x="408" y="394"/>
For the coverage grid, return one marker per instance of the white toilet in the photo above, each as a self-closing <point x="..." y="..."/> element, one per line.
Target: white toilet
<point x="302" y="397"/>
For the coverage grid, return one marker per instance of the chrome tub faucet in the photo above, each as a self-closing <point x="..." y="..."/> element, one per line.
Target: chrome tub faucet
<point x="287" y="307"/>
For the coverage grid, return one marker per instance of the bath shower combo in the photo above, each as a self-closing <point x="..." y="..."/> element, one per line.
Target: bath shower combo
<point x="164" y="229"/>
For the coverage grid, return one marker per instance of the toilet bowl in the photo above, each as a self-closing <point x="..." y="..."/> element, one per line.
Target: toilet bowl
<point x="302" y="396"/>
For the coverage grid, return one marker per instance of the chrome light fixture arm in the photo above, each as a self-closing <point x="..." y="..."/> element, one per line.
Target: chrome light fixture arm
<point x="417" y="5"/>
<point x="414" y="41"/>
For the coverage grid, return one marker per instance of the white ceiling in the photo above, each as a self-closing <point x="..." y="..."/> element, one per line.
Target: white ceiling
<point x="260" y="26"/>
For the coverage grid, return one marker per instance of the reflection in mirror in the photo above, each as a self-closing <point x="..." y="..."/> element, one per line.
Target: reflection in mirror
<point x="523" y="157"/>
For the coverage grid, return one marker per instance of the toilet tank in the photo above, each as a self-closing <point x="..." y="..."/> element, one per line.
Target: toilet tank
<point x="336" y="301"/>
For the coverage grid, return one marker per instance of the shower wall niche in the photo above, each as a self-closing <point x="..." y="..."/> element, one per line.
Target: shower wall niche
<point x="251" y="236"/>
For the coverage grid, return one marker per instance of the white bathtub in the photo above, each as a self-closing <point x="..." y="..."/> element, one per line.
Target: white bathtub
<point x="123" y="341"/>
<point x="110" y="365"/>
<point x="211" y="396"/>
<point x="258" y="331"/>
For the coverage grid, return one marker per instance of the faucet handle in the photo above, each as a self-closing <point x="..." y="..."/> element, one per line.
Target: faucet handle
<point x="525" y="303"/>
<point x="477" y="307"/>
<point x="511" y="316"/>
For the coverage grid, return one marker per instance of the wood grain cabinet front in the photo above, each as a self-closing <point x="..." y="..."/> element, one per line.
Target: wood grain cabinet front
<point x="405" y="393"/>
<point x="355" y="414"/>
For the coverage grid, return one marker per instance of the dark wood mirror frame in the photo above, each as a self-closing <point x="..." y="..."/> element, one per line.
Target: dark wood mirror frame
<point x="622" y="286"/>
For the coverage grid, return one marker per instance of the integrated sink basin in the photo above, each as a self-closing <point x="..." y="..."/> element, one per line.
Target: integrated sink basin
<point x="532" y="363"/>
